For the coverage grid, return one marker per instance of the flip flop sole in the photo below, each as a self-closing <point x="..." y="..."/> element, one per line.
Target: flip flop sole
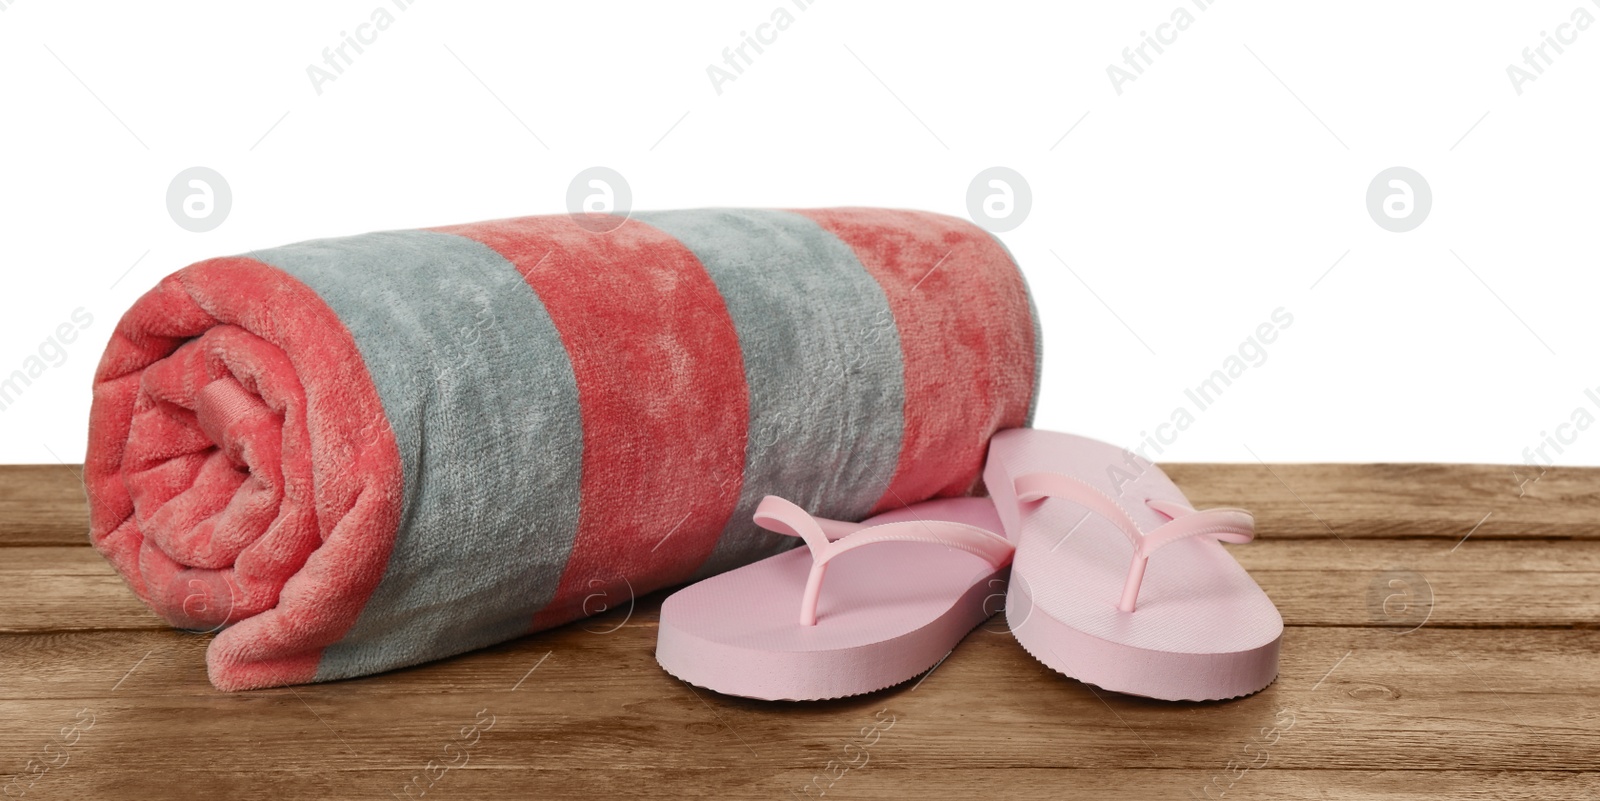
<point x="885" y="615"/>
<point x="783" y="675"/>
<point x="1162" y="675"/>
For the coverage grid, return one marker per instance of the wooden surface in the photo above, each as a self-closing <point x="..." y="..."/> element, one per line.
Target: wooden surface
<point x="1418" y="662"/>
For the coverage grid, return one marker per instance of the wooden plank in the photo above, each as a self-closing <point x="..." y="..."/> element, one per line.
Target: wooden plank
<point x="877" y="781"/>
<point x="1407" y="584"/>
<point x="1398" y="584"/>
<point x="1402" y="500"/>
<point x="532" y="777"/>
<point x="64" y="588"/>
<point x="43" y="505"/>
<point x="1346" y="700"/>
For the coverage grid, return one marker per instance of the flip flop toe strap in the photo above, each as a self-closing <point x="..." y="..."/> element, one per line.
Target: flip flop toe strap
<point x="827" y="539"/>
<point x="1183" y="522"/>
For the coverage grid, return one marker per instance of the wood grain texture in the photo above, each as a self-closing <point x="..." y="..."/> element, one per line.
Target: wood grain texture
<point x="1415" y="665"/>
<point x="1393" y="584"/>
<point x="43" y="504"/>
<point x="1389" y="501"/>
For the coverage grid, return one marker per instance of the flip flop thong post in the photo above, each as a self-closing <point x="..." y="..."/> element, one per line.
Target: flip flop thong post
<point x="1118" y="581"/>
<point x="862" y="607"/>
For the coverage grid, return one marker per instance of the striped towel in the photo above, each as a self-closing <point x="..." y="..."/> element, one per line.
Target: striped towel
<point x="351" y="455"/>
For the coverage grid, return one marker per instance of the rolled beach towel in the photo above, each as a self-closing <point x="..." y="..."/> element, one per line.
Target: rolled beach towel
<point x="351" y="455"/>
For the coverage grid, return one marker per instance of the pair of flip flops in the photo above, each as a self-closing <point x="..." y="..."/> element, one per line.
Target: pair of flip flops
<point x="1111" y="577"/>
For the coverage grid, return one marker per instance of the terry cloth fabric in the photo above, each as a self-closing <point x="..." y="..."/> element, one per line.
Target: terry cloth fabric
<point x="351" y="455"/>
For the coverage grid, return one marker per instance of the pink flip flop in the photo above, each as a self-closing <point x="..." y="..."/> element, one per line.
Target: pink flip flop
<point x="901" y="590"/>
<point x="1118" y="581"/>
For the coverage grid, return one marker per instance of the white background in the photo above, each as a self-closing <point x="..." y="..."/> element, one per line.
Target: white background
<point x="1186" y="209"/>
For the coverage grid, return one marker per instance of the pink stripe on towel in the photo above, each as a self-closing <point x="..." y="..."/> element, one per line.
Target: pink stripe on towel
<point x="957" y="299"/>
<point x="663" y="434"/>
